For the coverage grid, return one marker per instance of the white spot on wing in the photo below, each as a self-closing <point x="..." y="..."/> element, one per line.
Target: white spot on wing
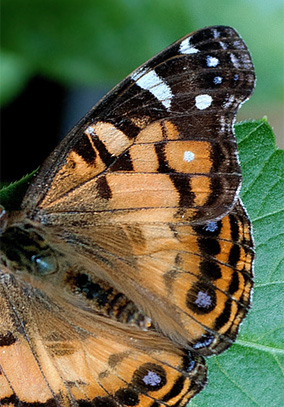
<point x="138" y="73"/>
<point x="216" y="33"/>
<point x="212" y="61"/>
<point x="235" y="61"/>
<point x="223" y="45"/>
<point x="188" y="156"/>
<point x="238" y="44"/>
<point x="90" y="131"/>
<point x="229" y="101"/>
<point x="186" y="48"/>
<point x="217" y="80"/>
<point x="222" y="124"/>
<point x="153" y="83"/>
<point x="203" y="101"/>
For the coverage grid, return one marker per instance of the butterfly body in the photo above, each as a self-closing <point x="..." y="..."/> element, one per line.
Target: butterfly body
<point x="131" y="256"/>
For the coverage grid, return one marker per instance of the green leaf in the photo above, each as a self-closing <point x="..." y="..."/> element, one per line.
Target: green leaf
<point x="11" y="195"/>
<point x="251" y="372"/>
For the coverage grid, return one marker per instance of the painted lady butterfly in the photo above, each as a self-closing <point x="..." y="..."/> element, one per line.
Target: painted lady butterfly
<point x="131" y="257"/>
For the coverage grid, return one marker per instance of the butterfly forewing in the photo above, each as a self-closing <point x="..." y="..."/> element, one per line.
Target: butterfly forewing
<point x="132" y="253"/>
<point x="177" y="110"/>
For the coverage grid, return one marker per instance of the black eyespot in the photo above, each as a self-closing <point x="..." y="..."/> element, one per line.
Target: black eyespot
<point x="201" y="298"/>
<point x="204" y="342"/>
<point x="149" y="377"/>
<point x="188" y="362"/>
<point x="211" y="229"/>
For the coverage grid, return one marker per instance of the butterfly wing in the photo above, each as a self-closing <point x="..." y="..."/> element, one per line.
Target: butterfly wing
<point x="143" y="193"/>
<point x="161" y="141"/>
<point x="156" y="157"/>
<point x="54" y="354"/>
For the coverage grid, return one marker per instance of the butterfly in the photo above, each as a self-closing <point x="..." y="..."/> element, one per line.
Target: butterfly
<point x="131" y="256"/>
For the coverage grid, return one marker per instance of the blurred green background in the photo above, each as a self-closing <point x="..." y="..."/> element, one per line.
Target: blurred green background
<point x="49" y="47"/>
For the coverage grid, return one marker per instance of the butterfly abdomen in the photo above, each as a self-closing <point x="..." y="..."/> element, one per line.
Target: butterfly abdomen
<point x="107" y="301"/>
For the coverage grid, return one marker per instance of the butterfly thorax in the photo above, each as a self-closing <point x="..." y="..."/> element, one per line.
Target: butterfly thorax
<point x="24" y="249"/>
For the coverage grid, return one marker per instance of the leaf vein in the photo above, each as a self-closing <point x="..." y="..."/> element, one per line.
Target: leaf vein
<point x="259" y="347"/>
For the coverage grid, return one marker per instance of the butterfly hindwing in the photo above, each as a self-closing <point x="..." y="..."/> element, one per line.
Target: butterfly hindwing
<point x="193" y="281"/>
<point x="61" y="356"/>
